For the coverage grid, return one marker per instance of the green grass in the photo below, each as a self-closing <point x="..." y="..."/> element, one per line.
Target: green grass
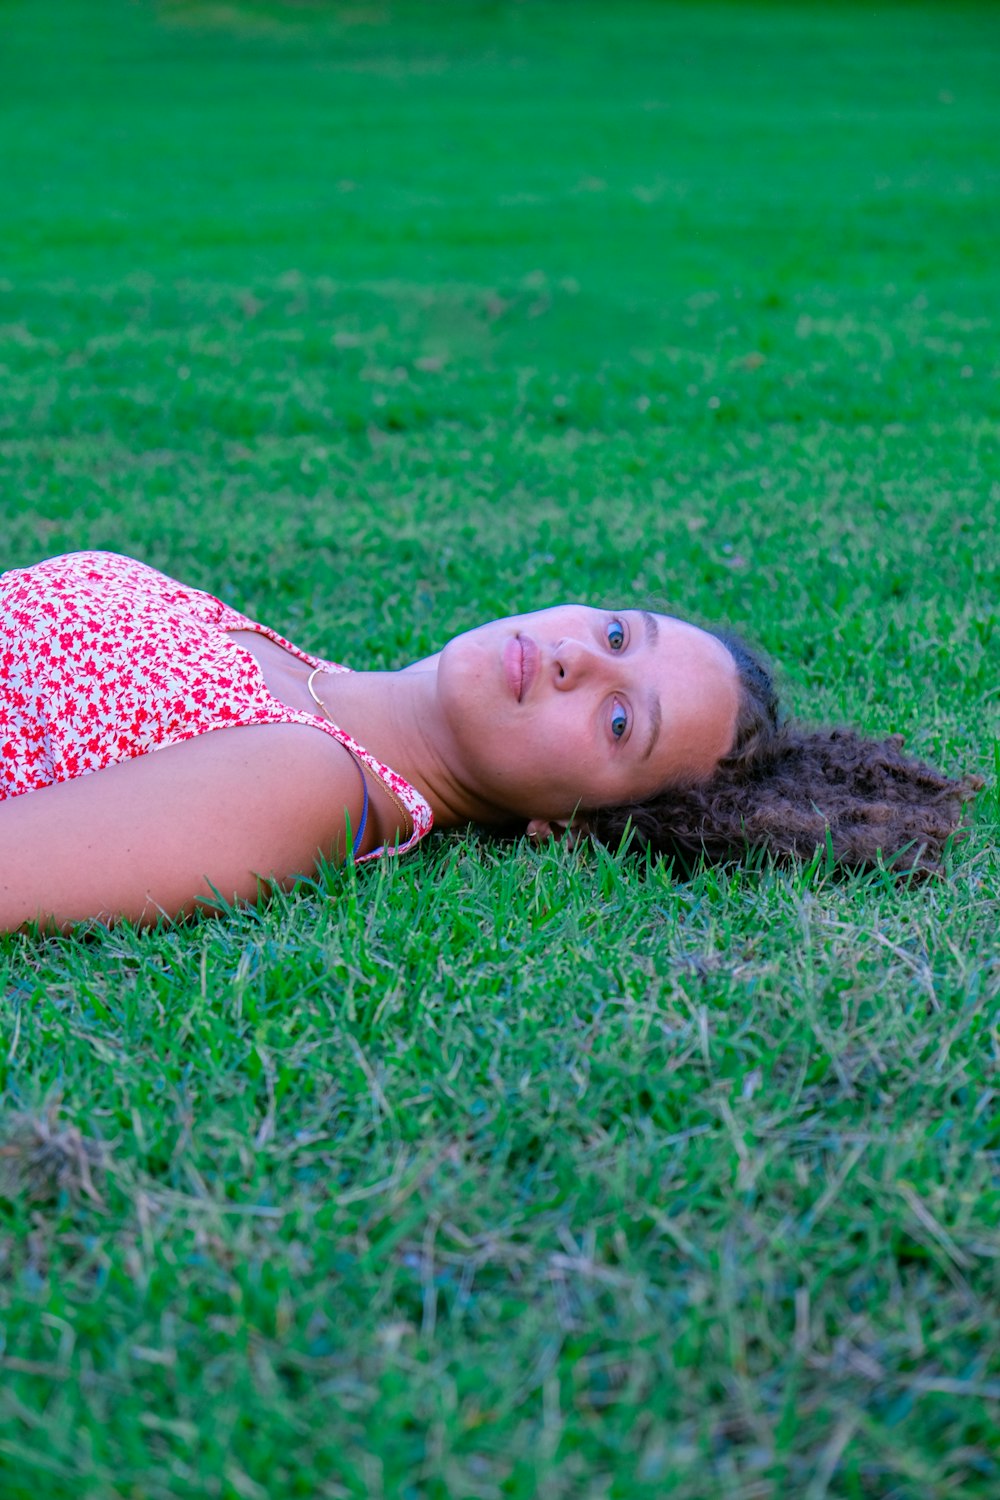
<point x="507" y="1173"/>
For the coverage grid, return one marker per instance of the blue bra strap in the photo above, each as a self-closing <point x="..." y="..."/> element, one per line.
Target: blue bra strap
<point x="364" y="812"/>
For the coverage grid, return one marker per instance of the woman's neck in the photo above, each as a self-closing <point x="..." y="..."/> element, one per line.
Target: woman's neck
<point x="394" y="716"/>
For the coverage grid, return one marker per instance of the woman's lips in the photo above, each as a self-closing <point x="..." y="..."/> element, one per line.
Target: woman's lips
<point x="520" y="663"/>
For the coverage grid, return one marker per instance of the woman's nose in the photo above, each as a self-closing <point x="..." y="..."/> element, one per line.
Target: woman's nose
<point x="575" y="662"/>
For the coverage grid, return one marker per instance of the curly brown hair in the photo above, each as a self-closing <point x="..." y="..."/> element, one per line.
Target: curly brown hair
<point x="786" y="791"/>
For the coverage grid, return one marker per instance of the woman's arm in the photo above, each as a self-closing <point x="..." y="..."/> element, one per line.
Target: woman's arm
<point x="151" y="836"/>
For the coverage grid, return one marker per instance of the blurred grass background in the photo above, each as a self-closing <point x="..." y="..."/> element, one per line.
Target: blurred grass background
<point x="503" y="1173"/>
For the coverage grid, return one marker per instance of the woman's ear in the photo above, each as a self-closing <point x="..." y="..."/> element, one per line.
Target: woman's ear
<point x="570" y="829"/>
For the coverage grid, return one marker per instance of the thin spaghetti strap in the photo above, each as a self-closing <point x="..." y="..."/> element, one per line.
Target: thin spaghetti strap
<point x="364" y="809"/>
<point x="387" y="789"/>
<point x="361" y="770"/>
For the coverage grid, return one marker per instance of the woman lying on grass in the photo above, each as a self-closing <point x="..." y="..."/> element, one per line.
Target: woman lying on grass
<point x="566" y="718"/>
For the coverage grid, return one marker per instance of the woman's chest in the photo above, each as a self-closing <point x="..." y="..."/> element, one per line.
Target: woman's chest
<point x="285" y="676"/>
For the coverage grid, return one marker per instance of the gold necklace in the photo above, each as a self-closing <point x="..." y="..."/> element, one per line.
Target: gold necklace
<point x="328" y="715"/>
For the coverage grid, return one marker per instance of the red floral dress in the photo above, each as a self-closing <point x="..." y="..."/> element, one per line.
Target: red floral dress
<point x="103" y="658"/>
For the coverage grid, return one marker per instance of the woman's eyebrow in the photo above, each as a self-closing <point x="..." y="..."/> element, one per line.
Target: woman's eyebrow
<point x="652" y="627"/>
<point x="653" y="703"/>
<point x="655" y="720"/>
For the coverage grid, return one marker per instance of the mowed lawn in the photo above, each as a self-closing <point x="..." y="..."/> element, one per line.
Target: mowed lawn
<point x="504" y="1172"/>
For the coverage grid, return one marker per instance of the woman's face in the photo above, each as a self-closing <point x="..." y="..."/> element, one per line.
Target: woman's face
<point x="574" y="707"/>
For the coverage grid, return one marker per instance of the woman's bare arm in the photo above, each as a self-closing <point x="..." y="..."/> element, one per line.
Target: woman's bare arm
<point x="152" y="835"/>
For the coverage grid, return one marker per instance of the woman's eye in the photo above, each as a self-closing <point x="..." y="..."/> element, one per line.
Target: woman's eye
<point x="616" y="635"/>
<point x="619" y="721"/>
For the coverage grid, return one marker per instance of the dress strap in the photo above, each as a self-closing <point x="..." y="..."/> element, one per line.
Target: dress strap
<point x="361" y="770"/>
<point x="364" y="808"/>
